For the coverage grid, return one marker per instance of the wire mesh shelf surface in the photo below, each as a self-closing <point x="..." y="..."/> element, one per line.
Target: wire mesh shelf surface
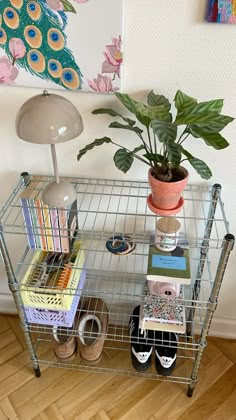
<point x="116" y="279"/>
<point x="118" y="332"/>
<point x="109" y="207"/>
<point x="117" y="360"/>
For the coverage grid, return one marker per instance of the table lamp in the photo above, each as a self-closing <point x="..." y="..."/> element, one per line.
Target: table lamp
<point x="50" y="119"/>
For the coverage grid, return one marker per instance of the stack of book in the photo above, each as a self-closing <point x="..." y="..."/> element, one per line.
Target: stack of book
<point x="167" y="272"/>
<point x="49" y="229"/>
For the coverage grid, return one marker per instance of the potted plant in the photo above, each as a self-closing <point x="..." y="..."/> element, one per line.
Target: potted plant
<point x="162" y="149"/>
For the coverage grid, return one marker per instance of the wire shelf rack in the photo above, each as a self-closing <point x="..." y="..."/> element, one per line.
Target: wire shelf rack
<point x="109" y="207"/>
<point x="106" y="208"/>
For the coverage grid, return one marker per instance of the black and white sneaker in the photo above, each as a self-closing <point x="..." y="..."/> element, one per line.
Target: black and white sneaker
<point x="141" y="345"/>
<point x="165" y="352"/>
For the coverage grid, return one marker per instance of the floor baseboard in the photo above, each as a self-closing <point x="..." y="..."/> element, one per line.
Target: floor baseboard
<point x="223" y="327"/>
<point x="7" y="304"/>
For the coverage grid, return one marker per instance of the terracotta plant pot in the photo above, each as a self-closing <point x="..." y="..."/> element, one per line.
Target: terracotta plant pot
<point x="166" y="196"/>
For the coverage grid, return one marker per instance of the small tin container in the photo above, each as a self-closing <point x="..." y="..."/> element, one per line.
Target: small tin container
<point x="167" y="232"/>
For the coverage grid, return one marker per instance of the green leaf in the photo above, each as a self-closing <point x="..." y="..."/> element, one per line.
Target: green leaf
<point x="155" y="157"/>
<point x="215" y="140"/>
<point x="97" y="142"/>
<point x="157" y="100"/>
<point x="67" y="6"/>
<point x="209" y="106"/>
<point x="137" y="149"/>
<point x="203" y="119"/>
<point x="123" y="160"/>
<point x="142" y="112"/>
<point x="174" y="154"/>
<point x="184" y="102"/>
<point x="125" y="127"/>
<point x="108" y="111"/>
<point x="159" y="113"/>
<point x="137" y="108"/>
<point x="210" y="128"/>
<point x="113" y="113"/>
<point x="164" y="131"/>
<point x="201" y="167"/>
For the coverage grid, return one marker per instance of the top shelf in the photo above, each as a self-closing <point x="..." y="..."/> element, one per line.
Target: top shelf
<point x="107" y="207"/>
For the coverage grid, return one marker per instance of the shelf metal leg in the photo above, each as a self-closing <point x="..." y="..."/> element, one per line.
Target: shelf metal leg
<point x="212" y="303"/>
<point x="13" y="286"/>
<point x="216" y="192"/>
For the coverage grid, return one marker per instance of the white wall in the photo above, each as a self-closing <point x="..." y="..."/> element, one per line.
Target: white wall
<point x="167" y="46"/>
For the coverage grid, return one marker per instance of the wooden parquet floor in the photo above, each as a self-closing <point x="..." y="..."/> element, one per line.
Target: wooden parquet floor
<point x="65" y="394"/>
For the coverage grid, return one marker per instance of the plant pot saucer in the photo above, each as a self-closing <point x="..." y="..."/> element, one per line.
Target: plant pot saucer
<point x="163" y="212"/>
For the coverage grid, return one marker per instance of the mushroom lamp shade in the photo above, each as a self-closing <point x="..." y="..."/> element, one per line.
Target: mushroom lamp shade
<point x="50" y="119"/>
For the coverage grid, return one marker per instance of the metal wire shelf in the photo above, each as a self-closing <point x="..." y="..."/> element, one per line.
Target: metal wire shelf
<point x="116" y="360"/>
<point x="117" y="331"/>
<point x="118" y="278"/>
<point x="108" y="207"/>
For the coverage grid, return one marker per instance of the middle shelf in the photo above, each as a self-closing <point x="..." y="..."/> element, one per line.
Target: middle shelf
<point x="119" y="279"/>
<point x="117" y="331"/>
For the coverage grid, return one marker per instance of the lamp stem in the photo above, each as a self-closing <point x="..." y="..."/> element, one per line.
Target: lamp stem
<point x="54" y="159"/>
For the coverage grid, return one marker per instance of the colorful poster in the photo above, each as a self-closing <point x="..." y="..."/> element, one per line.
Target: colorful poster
<point x="67" y="44"/>
<point x="221" y="11"/>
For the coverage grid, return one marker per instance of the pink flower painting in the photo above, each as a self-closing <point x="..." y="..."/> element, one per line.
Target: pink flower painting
<point x="102" y="84"/>
<point x="55" y="5"/>
<point x="111" y="65"/>
<point x="113" y="57"/>
<point x="58" y="5"/>
<point x="17" y="48"/>
<point x="8" y="72"/>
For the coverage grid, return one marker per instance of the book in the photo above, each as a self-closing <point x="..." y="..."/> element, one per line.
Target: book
<point x="47" y="226"/>
<point x="39" y="209"/>
<point x="34" y="214"/>
<point x="171" y="266"/>
<point x="55" y="229"/>
<point x="68" y="226"/>
<point x="49" y="229"/>
<point x="43" y="219"/>
<point x="27" y="215"/>
<point x="162" y="314"/>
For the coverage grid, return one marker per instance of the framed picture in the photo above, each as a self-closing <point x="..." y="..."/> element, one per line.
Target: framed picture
<point x="221" y="11"/>
<point x="67" y="44"/>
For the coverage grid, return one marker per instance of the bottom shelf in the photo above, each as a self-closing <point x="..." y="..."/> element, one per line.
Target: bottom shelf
<point x="116" y="359"/>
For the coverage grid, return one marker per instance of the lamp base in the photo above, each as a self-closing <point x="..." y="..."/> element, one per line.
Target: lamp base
<point x="59" y="194"/>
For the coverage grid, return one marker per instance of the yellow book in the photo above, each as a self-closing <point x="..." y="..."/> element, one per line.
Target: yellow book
<point x="48" y="227"/>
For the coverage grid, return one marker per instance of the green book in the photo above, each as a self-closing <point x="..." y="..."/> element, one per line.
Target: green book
<point x="171" y="266"/>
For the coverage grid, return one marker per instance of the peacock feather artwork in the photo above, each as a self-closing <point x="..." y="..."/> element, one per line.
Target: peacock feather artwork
<point x="221" y="11"/>
<point x="50" y="43"/>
